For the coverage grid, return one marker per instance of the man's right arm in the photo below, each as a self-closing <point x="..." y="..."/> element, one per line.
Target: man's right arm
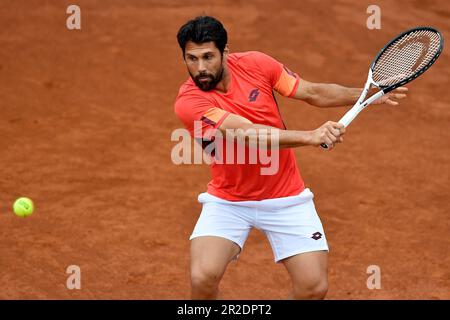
<point x="235" y="126"/>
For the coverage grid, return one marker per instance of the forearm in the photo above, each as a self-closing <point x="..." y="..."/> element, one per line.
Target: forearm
<point x="326" y="95"/>
<point x="235" y="127"/>
<point x="271" y="137"/>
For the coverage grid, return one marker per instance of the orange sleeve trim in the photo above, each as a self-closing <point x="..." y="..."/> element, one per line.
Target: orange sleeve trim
<point x="294" y="90"/>
<point x="226" y="113"/>
<point x="287" y="83"/>
<point x="214" y="116"/>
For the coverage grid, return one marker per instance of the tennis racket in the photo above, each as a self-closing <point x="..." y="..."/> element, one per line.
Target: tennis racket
<point x="401" y="61"/>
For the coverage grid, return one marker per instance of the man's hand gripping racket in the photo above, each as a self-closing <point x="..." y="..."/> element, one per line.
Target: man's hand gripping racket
<point x="402" y="60"/>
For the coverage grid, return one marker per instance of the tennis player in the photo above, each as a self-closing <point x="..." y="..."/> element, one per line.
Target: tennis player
<point x="230" y="91"/>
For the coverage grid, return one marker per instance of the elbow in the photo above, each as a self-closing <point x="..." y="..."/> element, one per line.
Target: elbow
<point x="254" y="136"/>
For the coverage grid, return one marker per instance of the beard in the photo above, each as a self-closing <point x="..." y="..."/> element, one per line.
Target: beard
<point x="208" y="81"/>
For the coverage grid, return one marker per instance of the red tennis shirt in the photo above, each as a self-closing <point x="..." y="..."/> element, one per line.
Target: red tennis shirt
<point x="254" y="76"/>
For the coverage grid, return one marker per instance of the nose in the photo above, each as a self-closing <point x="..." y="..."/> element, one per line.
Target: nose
<point x="201" y="66"/>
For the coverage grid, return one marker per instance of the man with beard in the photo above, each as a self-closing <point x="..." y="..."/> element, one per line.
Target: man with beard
<point x="232" y="91"/>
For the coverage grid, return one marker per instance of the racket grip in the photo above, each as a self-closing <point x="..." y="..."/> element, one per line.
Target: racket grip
<point x="324" y="145"/>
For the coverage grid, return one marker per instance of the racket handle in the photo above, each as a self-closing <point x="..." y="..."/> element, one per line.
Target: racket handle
<point x="324" y="145"/>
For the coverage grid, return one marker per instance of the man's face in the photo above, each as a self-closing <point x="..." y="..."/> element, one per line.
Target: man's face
<point x="204" y="63"/>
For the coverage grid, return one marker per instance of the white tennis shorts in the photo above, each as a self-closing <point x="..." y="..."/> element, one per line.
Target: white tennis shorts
<point x="291" y="224"/>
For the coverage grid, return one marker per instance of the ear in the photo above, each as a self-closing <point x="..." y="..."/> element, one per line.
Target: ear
<point x="226" y="51"/>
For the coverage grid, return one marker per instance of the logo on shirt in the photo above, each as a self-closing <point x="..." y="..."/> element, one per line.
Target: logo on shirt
<point x="253" y="95"/>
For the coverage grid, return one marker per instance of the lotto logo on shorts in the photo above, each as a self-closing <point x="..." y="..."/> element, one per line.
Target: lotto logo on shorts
<point x="316" y="236"/>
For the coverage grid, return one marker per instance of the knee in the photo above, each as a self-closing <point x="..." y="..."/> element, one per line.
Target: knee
<point x="315" y="290"/>
<point x="205" y="277"/>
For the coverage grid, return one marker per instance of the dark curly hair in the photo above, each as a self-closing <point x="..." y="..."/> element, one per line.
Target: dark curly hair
<point x="203" y="29"/>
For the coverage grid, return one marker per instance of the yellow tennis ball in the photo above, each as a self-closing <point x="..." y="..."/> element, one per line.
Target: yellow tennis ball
<point x="23" y="207"/>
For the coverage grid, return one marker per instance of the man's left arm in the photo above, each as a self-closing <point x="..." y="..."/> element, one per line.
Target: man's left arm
<point x="326" y="95"/>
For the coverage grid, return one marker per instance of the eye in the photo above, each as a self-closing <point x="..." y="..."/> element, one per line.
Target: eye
<point x="192" y="58"/>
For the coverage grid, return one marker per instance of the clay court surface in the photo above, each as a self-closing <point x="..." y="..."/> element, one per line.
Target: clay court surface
<point x="85" y="123"/>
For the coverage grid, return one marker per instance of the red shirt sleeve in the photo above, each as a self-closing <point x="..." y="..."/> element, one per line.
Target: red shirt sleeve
<point x="282" y="80"/>
<point x="200" y="116"/>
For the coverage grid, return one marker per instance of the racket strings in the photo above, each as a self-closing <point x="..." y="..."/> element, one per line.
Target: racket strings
<point x="409" y="55"/>
<point x="406" y="57"/>
<point x="412" y="48"/>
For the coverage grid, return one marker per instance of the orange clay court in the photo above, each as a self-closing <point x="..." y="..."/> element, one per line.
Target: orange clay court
<point x="85" y="123"/>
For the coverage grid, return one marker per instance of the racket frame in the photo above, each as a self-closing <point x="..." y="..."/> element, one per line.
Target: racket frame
<point x="351" y="114"/>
